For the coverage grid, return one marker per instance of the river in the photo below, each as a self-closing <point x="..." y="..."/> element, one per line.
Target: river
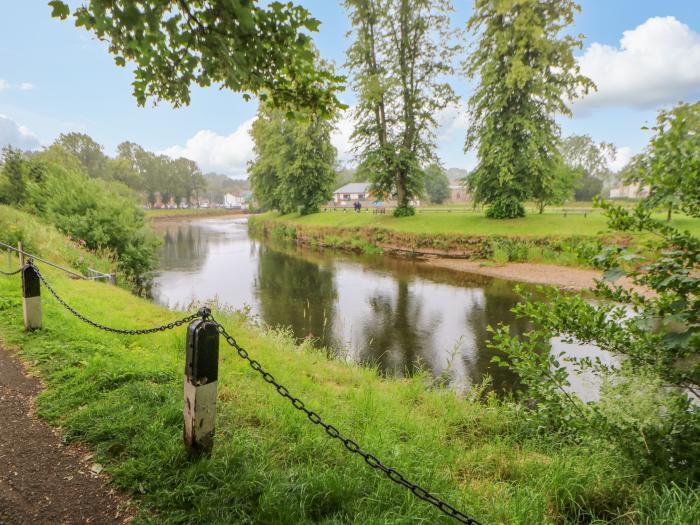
<point x="395" y="314"/>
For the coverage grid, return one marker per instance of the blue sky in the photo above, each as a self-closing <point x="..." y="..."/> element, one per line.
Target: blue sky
<point x="57" y="78"/>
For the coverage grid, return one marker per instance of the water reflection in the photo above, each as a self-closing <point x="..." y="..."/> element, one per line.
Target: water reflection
<point x="395" y="314"/>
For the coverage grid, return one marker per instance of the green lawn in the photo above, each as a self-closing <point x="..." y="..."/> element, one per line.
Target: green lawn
<point x="466" y="222"/>
<point x="188" y="212"/>
<point x="123" y="396"/>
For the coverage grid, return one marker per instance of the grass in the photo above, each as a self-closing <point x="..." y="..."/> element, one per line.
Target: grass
<point x="189" y="212"/>
<point x="551" y="223"/>
<point x="123" y="396"/>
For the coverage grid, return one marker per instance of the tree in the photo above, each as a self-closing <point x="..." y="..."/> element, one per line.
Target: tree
<point x="437" y="185"/>
<point x="527" y="74"/>
<point x="13" y="180"/>
<point x="294" y="161"/>
<point x="86" y="150"/>
<point x="400" y="53"/>
<point x="555" y="186"/>
<point x="173" y="44"/>
<point x="587" y="186"/>
<point x="670" y="165"/>
<point x="594" y="158"/>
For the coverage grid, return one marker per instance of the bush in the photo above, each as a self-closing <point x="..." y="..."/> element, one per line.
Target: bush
<point x="505" y="208"/>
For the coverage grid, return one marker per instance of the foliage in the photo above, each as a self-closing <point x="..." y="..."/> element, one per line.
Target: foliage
<point x="527" y="74"/>
<point x="555" y="186"/>
<point x="587" y="187"/>
<point x="645" y="406"/>
<point x="272" y="466"/>
<point x="245" y="47"/>
<point x="294" y="162"/>
<point x="86" y="150"/>
<point x="505" y="207"/>
<point x="593" y="159"/>
<point x="14" y="177"/>
<point x="400" y="53"/>
<point x="102" y="215"/>
<point x="437" y="185"/>
<point x="670" y="166"/>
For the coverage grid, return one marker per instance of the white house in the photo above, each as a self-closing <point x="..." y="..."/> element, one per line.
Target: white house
<point x="232" y="201"/>
<point x="355" y="191"/>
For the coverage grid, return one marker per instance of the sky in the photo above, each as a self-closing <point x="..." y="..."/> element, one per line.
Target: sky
<point x="643" y="55"/>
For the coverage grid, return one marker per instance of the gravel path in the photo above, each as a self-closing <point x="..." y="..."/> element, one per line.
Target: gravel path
<point x="43" y="480"/>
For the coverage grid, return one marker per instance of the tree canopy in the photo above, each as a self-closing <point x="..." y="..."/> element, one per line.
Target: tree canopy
<point x="526" y="73"/>
<point x="293" y="169"/>
<point x="400" y="53"/>
<point x="238" y="44"/>
<point x="437" y="185"/>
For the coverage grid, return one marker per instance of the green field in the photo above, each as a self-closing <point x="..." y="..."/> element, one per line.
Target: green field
<point x="123" y="396"/>
<point x="467" y="222"/>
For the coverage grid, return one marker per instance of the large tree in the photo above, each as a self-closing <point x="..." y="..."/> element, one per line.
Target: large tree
<point x="527" y="74"/>
<point x="399" y="57"/>
<point x="88" y="151"/>
<point x="437" y="185"/>
<point x="670" y="165"/>
<point x="238" y="44"/>
<point x="594" y="158"/>
<point x="294" y="161"/>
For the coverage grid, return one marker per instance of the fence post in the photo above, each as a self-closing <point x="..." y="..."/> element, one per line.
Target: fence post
<point x="201" y="375"/>
<point x="20" y="253"/>
<point x="31" y="298"/>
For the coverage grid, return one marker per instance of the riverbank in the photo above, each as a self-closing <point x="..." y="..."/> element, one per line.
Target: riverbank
<point x="122" y="395"/>
<point x="157" y="215"/>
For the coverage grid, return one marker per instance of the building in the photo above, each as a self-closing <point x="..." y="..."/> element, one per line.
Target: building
<point x="629" y="191"/>
<point x="232" y="201"/>
<point x="352" y="192"/>
<point x="458" y="192"/>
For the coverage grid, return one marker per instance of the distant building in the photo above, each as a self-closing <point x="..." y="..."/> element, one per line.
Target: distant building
<point x="629" y="191"/>
<point x="458" y="192"/>
<point x="355" y="191"/>
<point x="232" y="201"/>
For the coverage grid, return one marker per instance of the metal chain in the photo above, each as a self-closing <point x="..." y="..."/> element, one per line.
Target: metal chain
<point x="11" y="273"/>
<point x="143" y="331"/>
<point x="372" y="460"/>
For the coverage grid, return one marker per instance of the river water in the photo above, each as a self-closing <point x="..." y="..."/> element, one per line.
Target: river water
<point x="393" y="313"/>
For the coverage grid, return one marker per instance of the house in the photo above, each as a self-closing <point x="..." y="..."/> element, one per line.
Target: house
<point x="354" y="191"/>
<point x="629" y="191"/>
<point x="232" y="201"/>
<point x="458" y="192"/>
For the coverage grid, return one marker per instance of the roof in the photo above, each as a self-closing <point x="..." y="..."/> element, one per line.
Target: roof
<point x="354" y="187"/>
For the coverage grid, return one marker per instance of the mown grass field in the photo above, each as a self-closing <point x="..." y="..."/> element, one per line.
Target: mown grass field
<point x="123" y="396"/>
<point x="468" y="222"/>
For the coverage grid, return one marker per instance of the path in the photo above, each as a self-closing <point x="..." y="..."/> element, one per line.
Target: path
<point x="42" y="480"/>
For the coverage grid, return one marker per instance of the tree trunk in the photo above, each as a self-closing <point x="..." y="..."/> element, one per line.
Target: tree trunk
<point x="401" y="190"/>
<point x="541" y="206"/>
<point x="670" y="211"/>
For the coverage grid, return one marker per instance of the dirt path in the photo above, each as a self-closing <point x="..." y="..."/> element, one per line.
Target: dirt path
<point x="42" y="480"/>
<point x="564" y="277"/>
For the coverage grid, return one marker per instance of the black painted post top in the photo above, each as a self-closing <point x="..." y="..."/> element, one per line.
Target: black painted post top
<point x="202" y="354"/>
<point x="31" y="285"/>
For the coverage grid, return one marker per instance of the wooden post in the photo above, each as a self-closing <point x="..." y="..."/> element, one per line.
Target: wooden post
<point x="21" y="253"/>
<point x="31" y="298"/>
<point x="201" y="375"/>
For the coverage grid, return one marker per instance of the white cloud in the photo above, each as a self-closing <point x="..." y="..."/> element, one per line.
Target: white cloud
<point x="658" y="62"/>
<point x="452" y="122"/>
<point x="623" y="156"/>
<point x="340" y="138"/>
<point x="4" y="85"/>
<point x="228" y="154"/>
<point x="26" y="86"/>
<point x="12" y="134"/>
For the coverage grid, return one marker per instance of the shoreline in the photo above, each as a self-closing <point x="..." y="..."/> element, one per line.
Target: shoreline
<point x="567" y="278"/>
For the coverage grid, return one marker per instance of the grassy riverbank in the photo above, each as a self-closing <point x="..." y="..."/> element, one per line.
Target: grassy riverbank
<point x="123" y="396"/>
<point x="163" y="214"/>
<point x="551" y="238"/>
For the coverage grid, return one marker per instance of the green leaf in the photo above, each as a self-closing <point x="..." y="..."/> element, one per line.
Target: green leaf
<point x="613" y="274"/>
<point x="59" y="9"/>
